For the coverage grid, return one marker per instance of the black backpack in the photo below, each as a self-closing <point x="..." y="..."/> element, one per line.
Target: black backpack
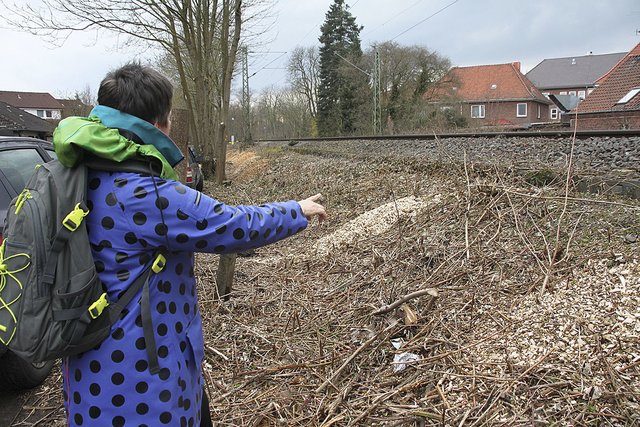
<point x="52" y="303"/>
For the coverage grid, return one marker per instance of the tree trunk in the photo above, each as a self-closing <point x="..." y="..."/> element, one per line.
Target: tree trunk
<point x="228" y="62"/>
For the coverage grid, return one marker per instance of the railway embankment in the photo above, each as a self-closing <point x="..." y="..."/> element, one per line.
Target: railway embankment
<point x="600" y="164"/>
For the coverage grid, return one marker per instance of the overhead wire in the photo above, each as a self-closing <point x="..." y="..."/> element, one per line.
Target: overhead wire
<point x="383" y="24"/>
<point x="268" y="63"/>
<point x="425" y="19"/>
<point x="393" y="17"/>
<point x="300" y="41"/>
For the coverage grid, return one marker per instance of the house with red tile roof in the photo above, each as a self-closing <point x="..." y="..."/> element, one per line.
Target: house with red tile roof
<point x="40" y="104"/>
<point x="573" y="76"/>
<point x="491" y="95"/>
<point x="615" y="102"/>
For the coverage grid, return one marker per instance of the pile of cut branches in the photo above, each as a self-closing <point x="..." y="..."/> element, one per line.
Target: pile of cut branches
<point x="488" y="301"/>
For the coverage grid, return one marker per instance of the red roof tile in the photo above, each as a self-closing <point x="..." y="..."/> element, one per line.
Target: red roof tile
<point x="614" y="85"/>
<point x="488" y="83"/>
<point x="30" y="100"/>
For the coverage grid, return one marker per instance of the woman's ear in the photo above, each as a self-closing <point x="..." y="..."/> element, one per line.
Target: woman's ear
<point x="165" y="127"/>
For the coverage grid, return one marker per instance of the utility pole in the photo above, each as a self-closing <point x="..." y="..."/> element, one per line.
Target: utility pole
<point x="246" y="97"/>
<point x="377" y="109"/>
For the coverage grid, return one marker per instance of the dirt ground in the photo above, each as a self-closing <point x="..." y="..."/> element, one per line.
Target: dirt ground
<point x="441" y="292"/>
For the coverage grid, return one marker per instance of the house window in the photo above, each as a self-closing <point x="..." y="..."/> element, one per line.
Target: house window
<point x="477" y="111"/>
<point x="564" y="92"/>
<point x="553" y="113"/>
<point x="521" y="110"/>
<point x="538" y="111"/>
<point x="40" y="113"/>
<point x="582" y="94"/>
<point x="572" y="92"/>
<point x="49" y="114"/>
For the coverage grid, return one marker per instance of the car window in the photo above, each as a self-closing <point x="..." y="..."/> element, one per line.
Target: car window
<point x="18" y="165"/>
<point x="52" y="154"/>
<point x="5" y="201"/>
<point x="193" y="156"/>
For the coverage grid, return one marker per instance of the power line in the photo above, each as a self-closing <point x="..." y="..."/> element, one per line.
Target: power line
<point x="353" y="65"/>
<point x="269" y="63"/>
<point x="425" y="19"/>
<point x="393" y="17"/>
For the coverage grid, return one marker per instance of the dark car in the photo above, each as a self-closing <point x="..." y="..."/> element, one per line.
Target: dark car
<point x="18" y="159"/>
<point x="195" y="177"/>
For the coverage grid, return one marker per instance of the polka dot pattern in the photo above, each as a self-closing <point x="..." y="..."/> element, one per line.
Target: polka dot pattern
<point x="112" y="385"/>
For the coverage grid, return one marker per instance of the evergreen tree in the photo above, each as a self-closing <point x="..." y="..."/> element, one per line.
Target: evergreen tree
<point x="342" y="86"/>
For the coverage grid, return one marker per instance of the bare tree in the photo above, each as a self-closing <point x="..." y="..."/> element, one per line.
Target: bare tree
<point x="304" y="69"/>
<point x="78" y="102"/>
<point x="281" y="113"/>
<point x="201" y="36"/>
<point x="407" y="72"/>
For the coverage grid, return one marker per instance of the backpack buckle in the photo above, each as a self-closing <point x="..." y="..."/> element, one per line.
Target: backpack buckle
<point x="96" y="309"/>
<point x="72" y="221"/>
<point x="159" y="264"/>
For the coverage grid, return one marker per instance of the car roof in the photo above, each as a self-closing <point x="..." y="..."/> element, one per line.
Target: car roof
<point x="15" y="140"/>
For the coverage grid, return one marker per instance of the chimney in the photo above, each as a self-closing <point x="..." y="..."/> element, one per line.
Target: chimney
<point x="516" y="65"/>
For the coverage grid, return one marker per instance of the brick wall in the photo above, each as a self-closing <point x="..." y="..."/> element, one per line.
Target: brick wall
<point x="501" y="113"/>
<point x="612" y="120"/>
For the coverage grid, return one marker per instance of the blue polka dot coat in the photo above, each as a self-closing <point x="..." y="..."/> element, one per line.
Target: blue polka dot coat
<point x="112" y="385"/>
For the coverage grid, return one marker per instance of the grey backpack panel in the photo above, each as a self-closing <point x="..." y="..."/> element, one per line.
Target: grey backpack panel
<point x="44" y="314"/>
<point x="52" y="303"/>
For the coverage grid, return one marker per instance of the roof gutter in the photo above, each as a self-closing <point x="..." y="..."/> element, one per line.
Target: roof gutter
<point x="568" y="86"/>
<point x="605" y="111"/>
<point x="542" y="101"/>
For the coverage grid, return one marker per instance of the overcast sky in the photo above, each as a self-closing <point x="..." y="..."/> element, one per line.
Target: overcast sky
<point x="468" y="32"/>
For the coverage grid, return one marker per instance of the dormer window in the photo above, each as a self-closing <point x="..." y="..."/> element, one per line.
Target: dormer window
<point x="629" y="96"/>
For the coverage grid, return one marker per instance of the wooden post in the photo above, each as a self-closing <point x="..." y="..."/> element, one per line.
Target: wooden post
<point x="224" y="276"/>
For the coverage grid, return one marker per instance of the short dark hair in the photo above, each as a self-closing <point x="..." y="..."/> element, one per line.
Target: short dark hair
<point x="138" y="90"/>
